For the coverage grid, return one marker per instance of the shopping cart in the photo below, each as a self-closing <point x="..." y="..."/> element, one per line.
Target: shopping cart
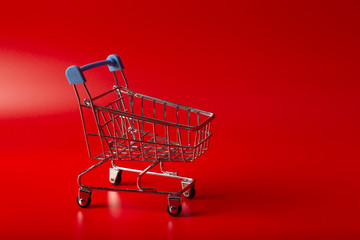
<point x="130" y="126"/>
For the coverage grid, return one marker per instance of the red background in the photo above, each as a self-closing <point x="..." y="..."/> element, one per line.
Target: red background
<point x="281" y="76"/>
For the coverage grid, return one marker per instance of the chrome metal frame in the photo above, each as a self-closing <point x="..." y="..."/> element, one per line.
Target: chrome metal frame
<point x="123" y="137"/>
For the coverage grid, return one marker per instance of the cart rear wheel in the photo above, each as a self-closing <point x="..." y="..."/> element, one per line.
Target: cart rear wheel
<point x="118" y="179"/>
<point x="174" y="211"/>
<point x="190" y="193"/>
<point x="115" y="180"/>
<point x="83" y="204"/>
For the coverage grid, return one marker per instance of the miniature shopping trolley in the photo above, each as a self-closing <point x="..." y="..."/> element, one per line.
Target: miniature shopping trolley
<point x="130" y="126"/>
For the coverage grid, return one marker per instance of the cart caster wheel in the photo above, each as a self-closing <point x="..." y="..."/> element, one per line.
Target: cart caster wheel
<point x="174" y="207"/>
<point x="115" y="176"/>
<point x="174" y="211"/>
<point x="190" y="194"/>
<point x="84" y="197"/>
<point x="118" y="179"/>
<point x="83" y="203"/>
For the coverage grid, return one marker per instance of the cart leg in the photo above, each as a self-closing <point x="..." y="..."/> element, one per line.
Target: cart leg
<point x="84" y="197"/>
<point x="115" y="176"/>
<point x="88" y="170"/>
<point x="174" y="206"/>
<point x="189" y="193"/>
<point x="167" y="172"/>
<point x="138" y="182"/>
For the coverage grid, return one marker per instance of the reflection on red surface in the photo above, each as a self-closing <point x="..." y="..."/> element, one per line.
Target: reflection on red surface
<point x="281" y="76"/>
<point x="114" y="204"/>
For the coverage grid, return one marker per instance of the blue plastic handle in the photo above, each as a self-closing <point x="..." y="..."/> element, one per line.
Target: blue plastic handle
<point x="75" y="74"/>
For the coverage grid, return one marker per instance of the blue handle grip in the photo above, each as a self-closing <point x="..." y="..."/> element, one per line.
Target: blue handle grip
<point x="75" y="74"/>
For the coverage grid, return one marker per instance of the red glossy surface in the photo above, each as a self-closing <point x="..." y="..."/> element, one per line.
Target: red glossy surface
<point x="282" y="78"/>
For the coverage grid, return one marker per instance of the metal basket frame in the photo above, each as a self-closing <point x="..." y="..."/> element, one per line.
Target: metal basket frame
<point x="127" y="133"/>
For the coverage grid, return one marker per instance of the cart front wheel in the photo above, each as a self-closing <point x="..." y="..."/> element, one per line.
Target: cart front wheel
<point x="83" y="203"/>
<point x="190" y="193"/>
<point x="174" y="211"/>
